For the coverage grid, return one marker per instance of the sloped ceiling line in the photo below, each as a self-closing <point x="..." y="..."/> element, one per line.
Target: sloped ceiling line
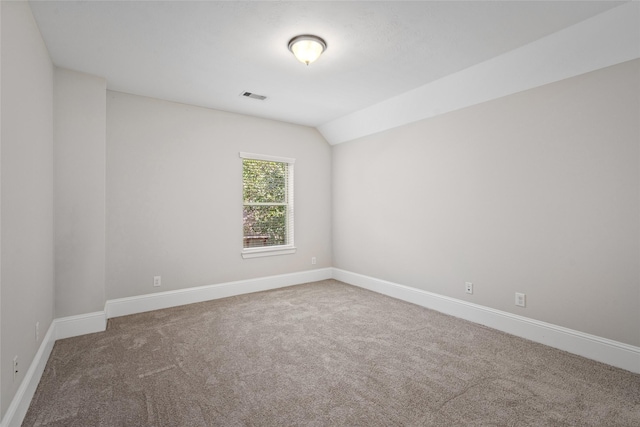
<point x="606" y="39"/>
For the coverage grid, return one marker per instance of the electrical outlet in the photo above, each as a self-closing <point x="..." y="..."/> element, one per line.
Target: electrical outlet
<point x="468" y="287"/>
<point x="521" y="300"/>
<point x="157" y="281"/>
<point x="313" y="260"/>
<point x="37" y="331"/>
<point x="15" y="367"/>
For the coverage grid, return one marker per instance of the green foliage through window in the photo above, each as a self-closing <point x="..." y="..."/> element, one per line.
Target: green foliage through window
<point x="265" y="187"/>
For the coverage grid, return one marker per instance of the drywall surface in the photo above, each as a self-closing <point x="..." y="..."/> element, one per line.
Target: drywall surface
<point x="536" y="192"/>
<point x="27" y="192"/>
<point x="606" y="39"/>
<point x="174" y="195"/>
<point x="79" y="189"/>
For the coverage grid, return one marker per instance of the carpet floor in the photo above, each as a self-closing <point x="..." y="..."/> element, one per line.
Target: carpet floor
<point x="321" y="354"/>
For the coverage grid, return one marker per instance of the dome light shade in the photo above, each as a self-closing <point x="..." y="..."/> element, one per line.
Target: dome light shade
<point x="307" y="48"/>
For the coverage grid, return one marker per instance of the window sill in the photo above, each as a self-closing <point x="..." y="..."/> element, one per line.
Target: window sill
<point x="272" y="251"/>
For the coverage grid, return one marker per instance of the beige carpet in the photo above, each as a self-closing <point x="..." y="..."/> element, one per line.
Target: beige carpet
<point x="321" y="354"/>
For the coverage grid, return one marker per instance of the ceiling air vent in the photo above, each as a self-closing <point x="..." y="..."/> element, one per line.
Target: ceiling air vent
<point x="253" y="96"/>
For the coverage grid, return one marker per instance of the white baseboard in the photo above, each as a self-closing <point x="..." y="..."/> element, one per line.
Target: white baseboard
<point x="611" y="352"/>
<point x="82" y="324"/>
<point x="72" y="326"/>
<point x="20" y="404"/>
<point x="160" y="300"/>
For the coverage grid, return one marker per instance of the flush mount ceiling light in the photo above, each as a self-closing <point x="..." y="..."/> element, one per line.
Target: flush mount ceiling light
<point x="307" y="48"/>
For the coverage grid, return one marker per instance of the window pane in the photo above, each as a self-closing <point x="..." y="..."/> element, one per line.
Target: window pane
<point x="264" y="182"/>
<point x="264" y="226"/>
<point x="268" y="202"/>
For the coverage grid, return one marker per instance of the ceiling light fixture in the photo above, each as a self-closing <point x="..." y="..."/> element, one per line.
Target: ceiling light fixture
<point x="307" y="48"/>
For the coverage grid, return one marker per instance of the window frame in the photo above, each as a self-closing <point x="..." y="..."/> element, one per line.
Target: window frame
<point x="289" y="247"/>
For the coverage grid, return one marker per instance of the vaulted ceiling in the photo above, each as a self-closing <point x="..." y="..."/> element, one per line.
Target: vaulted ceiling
<point x="206" y="53"/>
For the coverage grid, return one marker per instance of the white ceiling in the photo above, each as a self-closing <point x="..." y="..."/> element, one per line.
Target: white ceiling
<point x="206" y="53"/>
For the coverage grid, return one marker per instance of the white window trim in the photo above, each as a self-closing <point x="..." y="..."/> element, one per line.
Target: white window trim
<point x="273" y="250"/>
<point x="266" y="158"/>
<point x="268" y="251"/>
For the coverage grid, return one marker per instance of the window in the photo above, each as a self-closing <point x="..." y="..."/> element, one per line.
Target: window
<point x="267" y="214"/>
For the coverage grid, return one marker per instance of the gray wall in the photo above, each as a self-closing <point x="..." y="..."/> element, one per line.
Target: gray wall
<point x="26" y="282"/>
<point x="79" y="190"/>
<point x="537" y="192"/>
<point x="174" y="195"/>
